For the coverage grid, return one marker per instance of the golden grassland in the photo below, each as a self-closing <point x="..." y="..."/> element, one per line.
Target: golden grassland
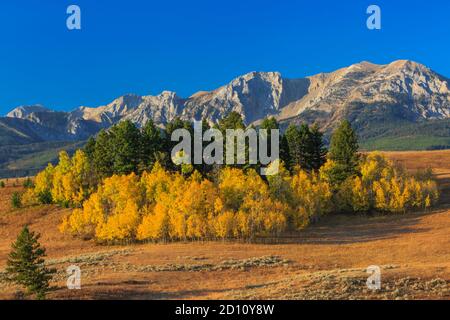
<point x="326" y="261"/>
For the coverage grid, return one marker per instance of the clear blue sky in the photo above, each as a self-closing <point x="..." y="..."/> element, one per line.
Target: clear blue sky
<point x="146" y="46"/>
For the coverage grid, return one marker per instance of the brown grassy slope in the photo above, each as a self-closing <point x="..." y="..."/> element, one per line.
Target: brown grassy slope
<point x="327" y="261"/>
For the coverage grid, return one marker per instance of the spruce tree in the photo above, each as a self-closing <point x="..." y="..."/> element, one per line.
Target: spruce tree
<point x="25" y="264"/>
<point x="299" y="145"/>
<point x="175" y="124"/>
<point x="125" y="145"/>
<point x="284" y="152"/>
<point x="270" y="124"/>
<point x="317" y="152"/>
<point x="89" y="148"/>
<point x="292" y="138"/>
<point x="151" y="143"/>
<point x="16" y="200"/>
<point x="103" y="155"/>
<point x="234" y="121"/>
<point x="304" y="147"/>
<point x="344" y="151"/>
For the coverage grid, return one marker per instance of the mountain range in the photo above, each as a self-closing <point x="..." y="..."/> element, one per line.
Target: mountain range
<point x="401" y="105"/>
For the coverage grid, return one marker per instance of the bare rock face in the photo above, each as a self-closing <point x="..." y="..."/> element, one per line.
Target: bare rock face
<point x="254" y="95"/>
<point x="23" y="112"/>
<point x="403" y="89"/>
<point x="364" y="93"/>
<point x="161" y="109"/>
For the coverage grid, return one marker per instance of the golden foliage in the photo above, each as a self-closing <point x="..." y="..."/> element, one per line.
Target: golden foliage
<point x="163" y="206"/>
<point x="68" y="183"/>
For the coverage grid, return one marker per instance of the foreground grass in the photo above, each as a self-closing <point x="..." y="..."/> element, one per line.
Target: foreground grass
<point x="326" y="261"/>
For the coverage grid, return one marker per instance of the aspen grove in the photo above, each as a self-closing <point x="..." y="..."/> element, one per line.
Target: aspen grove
<point x="164" y="203"/>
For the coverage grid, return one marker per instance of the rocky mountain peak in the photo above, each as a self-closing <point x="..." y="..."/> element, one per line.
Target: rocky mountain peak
<point x="22" y="112"/>
<point x="400" y="90"/>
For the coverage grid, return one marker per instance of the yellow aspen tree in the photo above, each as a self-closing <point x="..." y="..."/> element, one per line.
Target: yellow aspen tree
<point x="312" y="198"/>
<point x="232" y="188"/>
<point x="360" y="196"/>
<point x="58" y="185"/>
<point x="427" y="202"/>
<point x="225" y="225"/>
<point x="379" y="189"/>
<point x="395" y="203"/>
<point x="121" y="225"/>
<point x="156" y="182"/>
<point x="82" y="178"/>
<point x="155" y="225"/>
<point x="43" y="184"/>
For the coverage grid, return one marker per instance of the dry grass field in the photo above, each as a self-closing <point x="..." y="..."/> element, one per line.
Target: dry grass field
<point x="326" y="261"/>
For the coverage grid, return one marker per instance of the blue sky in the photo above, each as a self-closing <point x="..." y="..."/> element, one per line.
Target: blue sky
<point x="146" y="46"/>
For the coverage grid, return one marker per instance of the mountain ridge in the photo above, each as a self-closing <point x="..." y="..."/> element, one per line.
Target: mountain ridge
<point x="403" y="90"/>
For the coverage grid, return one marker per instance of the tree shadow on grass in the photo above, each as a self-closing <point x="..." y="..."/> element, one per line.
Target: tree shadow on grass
<point x="348" y="229"/>
<point x="146" y="294"/>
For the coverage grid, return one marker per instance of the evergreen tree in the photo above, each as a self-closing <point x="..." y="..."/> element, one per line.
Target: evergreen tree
<point x="305" y="147"/>
<point x="233" y="120"/>
<point x="28" y="183"/>
<point x="126" y="137"/>
<point x="103" y="155"/>
<point x="25" y="264"/>
<point x="344" y="151"/>
<point x="284" y="152"/>
<point x="89" y="148"/>
<point x="204" y="168"/>
<point x="269" y="124"/>
<point x="292" y="138"/>
<point x="16" y="200"/>
<point x="151" y="143"/>
<point x="298" y="142"/>
<point x="317" y="152"/>
<point x="175" y="124"/>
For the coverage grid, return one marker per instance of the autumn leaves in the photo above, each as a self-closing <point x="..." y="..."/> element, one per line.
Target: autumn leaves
<point x="229" y="202"/>
<point x="167" y="206"/>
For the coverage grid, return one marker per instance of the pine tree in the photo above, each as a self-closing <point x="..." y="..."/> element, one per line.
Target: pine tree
<point x="344" y="151"/>
<point x="175" y="124"/>
<point x="125" y="140"/>
<point x="269" y="124"/>
<point x="151" y="143"/>
<point x="299" y="145"/>
<point x="231" y="121"/>
<point x="284" y="152"/>
<point x="16" y="200"/>
<point x="25" y="264"/>
<point x="292" y="138"/>
<point x="89" y="148"/>
<point x="103" y="155"/>
<point x="318" y="152"/>
<point x="28" y="183"/>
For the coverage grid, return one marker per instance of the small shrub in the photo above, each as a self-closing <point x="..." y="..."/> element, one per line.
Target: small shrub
<point x="28" y="183"/>
<point x="16" y="200"/>
<point x="2" y="184"/>
<point x="45" y="197"/>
